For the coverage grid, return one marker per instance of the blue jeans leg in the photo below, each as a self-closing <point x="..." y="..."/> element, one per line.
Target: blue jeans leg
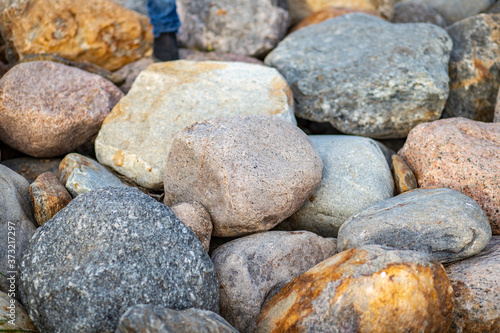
<point x="163" y="16"/>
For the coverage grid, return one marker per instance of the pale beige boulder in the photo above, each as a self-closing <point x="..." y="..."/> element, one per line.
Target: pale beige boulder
<point x="196" y="218"/>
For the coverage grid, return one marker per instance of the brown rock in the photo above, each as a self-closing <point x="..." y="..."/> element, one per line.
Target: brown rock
<point x="48" y="196"/>
<point x="49" y="109"/>
<point x="328" y="13"/>
<point x="21" y="322"/>
<point x="460" y="154"/>
<point x="404" y="179"/>
<point x="96" y="31"/>
<point x="196" y="218"/>
<point x="476" y="286"/>
<point x="366" y="289"/>
<point x="30" y="167"/>
<point x="250" y="172"/>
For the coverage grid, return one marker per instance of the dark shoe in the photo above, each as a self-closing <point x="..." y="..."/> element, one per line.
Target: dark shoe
<point x="165" y="47"/>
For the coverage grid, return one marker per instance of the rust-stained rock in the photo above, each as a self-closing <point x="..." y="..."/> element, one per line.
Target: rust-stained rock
<point x="30" y="167"/>
<point x="49" y="109"/>
<point x="300" y="9"/>
<point x="460" y="154"/>
<point x="404" y="179"/>
<point x="366" y="289"/>
<point x="196" y="218"/>
<point x="95" y="31"/>
<point x="474" y="67"/>
<point x="48" y="196"/>
<point x="328" y="13"/>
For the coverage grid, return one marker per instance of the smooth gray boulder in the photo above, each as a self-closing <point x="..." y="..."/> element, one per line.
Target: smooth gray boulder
<point x="355" y="176"/>
<point x="444" y="223"/>
<point x="366" y="76"/>
<point x="456" y="10"/>
<point x="17" y="224"/>
<point x="252" y="269"/>
<point x="156" y="319"/>
<point x="416" y="11"/>
<point x="107" y="250"/>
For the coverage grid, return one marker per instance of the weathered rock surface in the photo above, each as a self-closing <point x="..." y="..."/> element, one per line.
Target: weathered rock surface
<point x="169" y="96"/>
<point x="62" y="107"/>
<point x="368" y="289"/>
<point x="355" y="176"/>
<point x="234" y="26"/>
<point x="17" y="224"/>
<point x="13" y="317"/>
<point x="477" y="290"/>
<point x="196" y="218"/>
<point x="474" y="68"/>
<point x="250" y="172"/>
<point x="443" y="223"/>
<point x="335" y="69"/>
<point x="48" y="196"/>
<point x="416" y="11"/>
<point x="80" y="174"/>
<point x="107" y="250"/>
<point x="404" y="179"/>
<point x="156" y="319"/>
<point x="30" y="168"/>
<point x="252" y="269"/>
<point x="456" y="10"/>
<point x="460" y="154"/>
<point x="96" y="31"/>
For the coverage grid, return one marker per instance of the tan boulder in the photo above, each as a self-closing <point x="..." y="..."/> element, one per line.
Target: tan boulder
<point x="95" y="31"/>
<point x="196" y="218"/>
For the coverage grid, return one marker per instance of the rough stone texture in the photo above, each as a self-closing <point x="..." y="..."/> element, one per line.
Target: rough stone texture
<point x="443" y="223"/>
<point x="169" y="96"/>
<point x="251" y="28"/>
<point x="30" y="168"/>
<point x="300" y="9"/>
<point x="496" y="116"/>
<point x="250" y="172"/>
<point x="335" y="69"/>
<point x="136" y="5"/>
<point x="477" y="290"/>
<point x="155" y="319"/>
<point x="49" y="109"/>
<point x="48" y="196"/>
<point x="460" y="154"/>
<point x="16" y="213"/>
<point x="328" y="13"/>
<point x="404" y="179"/>
<point x="456" y="10"/>
<point x="80" y="174"/>
<point x="107" y="250"/>
<point x="252" y="269"/>
<point x="474" y="68"/>
<point x="415" y="11"/>
<point x="196" y="218"/>
<point x="96" y="31"/>
<point x="368" y="289"/>
<point x="355" y="176"/>
<point x="21" y="320"/>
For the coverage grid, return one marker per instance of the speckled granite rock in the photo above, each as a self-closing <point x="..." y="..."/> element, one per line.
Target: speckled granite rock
<point x="355" y="176"/>
<point x="62" y="107"/>
<point x="169" y="96"/>
<point x="80" y="174"/>
<point x="335" y="69"/>
<point x="266" y="168"/>
<point x="404" y="179"/>
<point x="460" y="154"/>
<point x="456" y="10"/>
<point x="48" y="196"/>
<point x="367" y="289"/>
<point x="155" y="319"/>
<point x="477" y="290"/>
<point x="443" y="223"/>
<point x="96" y="31"/>
<point x="196" y="218"/>
<point x="17" y="224"/>
<point x="30" y="168"/>
<point x="415" y="11"/>
<point x="107" y="250"/>
<point x="17" y="321"/>
<point x="252" y="269"/>
<point x="234" y="26"/>
<point x="474" y="68"/>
